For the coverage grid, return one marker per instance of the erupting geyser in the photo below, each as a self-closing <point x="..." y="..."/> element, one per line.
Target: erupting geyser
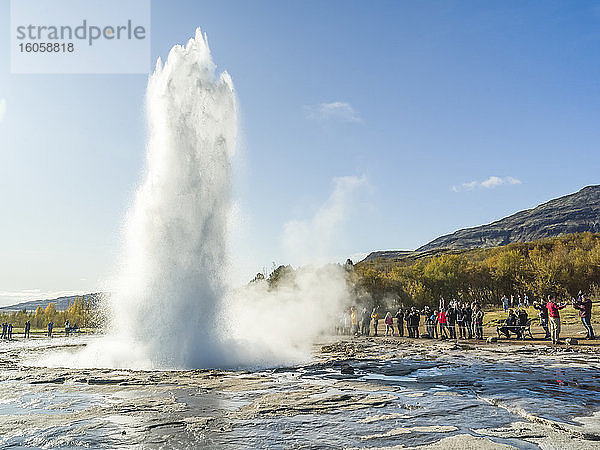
<point x="170" y="305"/>
<point x="167" y="301"/>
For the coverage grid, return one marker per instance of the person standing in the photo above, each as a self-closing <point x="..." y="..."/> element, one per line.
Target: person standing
<point x="584" y="305"/>
<point x="478" y="320"/>
<point x="409" y="322"/>
<point x="375" y="318"/>
<point x="460" y="320"/>
<point x="505" y="303"/>
<point x="10" y="328"/>
<point x="434" y="325"/>
<point x="400" y="322"/>
<point x="451" y="321"/>
<point x="353" y="321"/>
<point x="415" y="318"/>
<point x="428" y="329"/>
<point x="346" y="322"/>
<point x="389" y="324"/>
<point x="443" y="321"/>
<point x="468" y="312"/>
<point x="50" y="326"/>
<point x="365" y="322"/>
<point x="4" y="328"/>
<point x="27" y="328"/>
<point x="554" y="318"/>
<point x="543" y="315"/>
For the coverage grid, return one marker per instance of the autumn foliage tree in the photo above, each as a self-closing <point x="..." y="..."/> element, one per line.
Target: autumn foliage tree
<point x="562" y="265"/>
<point x="81" y="312"/>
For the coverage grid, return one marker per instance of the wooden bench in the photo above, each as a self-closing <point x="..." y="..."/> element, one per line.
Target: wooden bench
<point x="521" y="330"/>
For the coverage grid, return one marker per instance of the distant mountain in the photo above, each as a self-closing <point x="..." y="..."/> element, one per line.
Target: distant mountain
<point x="61" y="303"/>
<point x="388" y="254"/>
<point x="573" y="213"/>
<point x="401" y="255"/>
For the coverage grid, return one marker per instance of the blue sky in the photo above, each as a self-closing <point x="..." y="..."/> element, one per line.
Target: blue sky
<point x="407" y="119"/>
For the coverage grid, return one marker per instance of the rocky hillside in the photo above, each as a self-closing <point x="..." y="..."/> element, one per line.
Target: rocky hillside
<point x="573" y="213"/>
<point x="406" y="256"/>
<point x="61" y="303"/>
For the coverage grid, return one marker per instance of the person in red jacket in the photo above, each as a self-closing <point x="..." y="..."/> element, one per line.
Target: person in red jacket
<point x="584" y="305"/>
<point x="554" y="318"/>
<point x="442" y="321"/>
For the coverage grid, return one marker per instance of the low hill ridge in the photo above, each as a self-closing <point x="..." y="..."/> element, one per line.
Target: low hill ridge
<point x="574" y="213"/>
<point x="61" y="303"/>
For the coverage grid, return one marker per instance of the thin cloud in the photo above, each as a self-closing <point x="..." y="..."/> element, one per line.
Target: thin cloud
<point x="336" y="111"/>
<point x="489" y="183"/>
<point x="2" y="109"/>
<point x="314" y="239"/>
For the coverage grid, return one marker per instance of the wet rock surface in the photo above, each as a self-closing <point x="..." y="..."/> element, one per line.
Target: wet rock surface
<point x="398" y="394"/>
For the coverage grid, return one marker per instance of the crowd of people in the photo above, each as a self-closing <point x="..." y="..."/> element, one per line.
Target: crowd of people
<point x="451" y="320"/>
<point x="7" y="330"/>
<point x="519" y="302"/>
<point x="550" y="316"/>
<point x="455" y="319"/>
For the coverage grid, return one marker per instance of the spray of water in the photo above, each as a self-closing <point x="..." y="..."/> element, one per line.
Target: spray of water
<point x="172" y="278"/>
<point x="171" y="306"/>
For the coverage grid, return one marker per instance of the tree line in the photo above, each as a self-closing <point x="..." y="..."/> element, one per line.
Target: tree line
<point x="561" y="265"/>
<point x="81" y="312"/>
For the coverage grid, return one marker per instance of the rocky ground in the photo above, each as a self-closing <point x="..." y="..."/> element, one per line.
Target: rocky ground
<point x="358" y="393"/>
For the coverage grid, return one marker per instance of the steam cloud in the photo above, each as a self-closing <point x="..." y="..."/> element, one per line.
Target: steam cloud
<point x="312" y="241"/>
<point x="171" y="306"/>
